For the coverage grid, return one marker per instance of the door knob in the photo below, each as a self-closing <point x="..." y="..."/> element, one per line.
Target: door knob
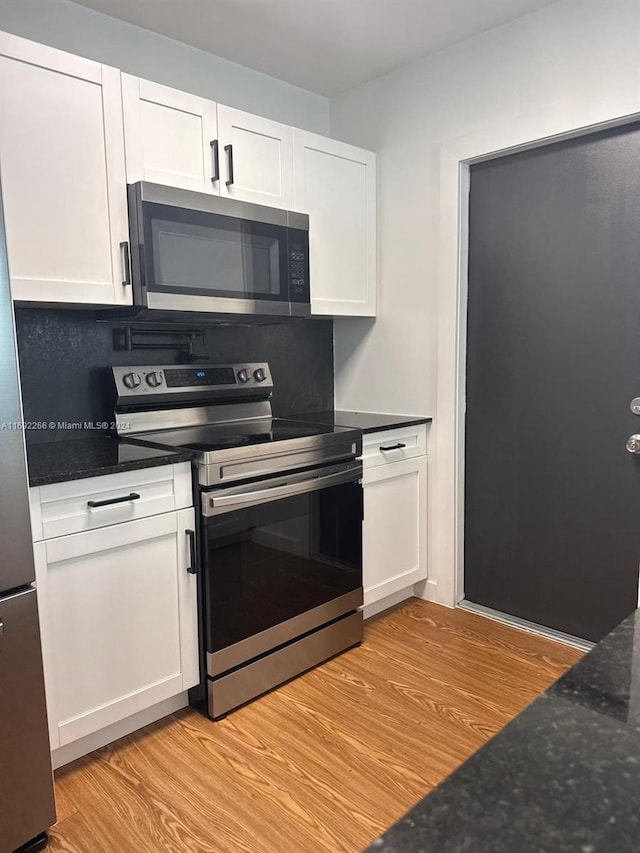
<point x="633" y="444"/>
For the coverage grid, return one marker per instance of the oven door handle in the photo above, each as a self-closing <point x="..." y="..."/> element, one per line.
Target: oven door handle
<point x="216" y="504"/>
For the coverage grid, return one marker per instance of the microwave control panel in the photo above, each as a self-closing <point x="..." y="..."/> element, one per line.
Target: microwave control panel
<point x="298" y="266"/>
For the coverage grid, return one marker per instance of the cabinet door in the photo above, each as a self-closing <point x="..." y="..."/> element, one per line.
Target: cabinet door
<point x="119" y="621"/>
<point x="169" y="136"/>
<point x="336" y="185"/>
<point x="256" y="158"/>
<point x="395" y="519"/>
<point x="63" y="176"/>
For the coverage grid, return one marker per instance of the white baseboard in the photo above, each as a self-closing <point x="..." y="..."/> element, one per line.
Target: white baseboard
<point x="376" y="607"/>
<point x="428" y="590"/>
<point x="85" y="745"/>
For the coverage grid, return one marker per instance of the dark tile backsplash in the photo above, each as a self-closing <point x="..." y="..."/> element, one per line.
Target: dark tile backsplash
<point x="65" y="356"/>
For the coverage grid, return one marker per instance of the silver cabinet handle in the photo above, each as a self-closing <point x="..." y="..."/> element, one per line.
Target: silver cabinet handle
<point x="229" y="150"/>
<point x="192" y="568"/>
<point x="216" y="161"/>
<point x="126" y="263"/>
<point x="1" y="627"/>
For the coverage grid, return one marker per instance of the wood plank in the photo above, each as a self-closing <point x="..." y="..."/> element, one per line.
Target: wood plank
<point x="76" y="832"/>
<point x="323" y="763"/>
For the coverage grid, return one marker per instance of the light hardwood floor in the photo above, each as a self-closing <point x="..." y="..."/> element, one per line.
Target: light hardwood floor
<point x="324" y="763"/>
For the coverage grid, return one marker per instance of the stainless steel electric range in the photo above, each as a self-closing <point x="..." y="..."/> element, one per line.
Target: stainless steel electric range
<point x="280" y="533"/>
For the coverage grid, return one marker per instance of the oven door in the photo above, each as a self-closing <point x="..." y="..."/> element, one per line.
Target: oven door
<point x="282" y="557"/>
<point x="196" y="252"/>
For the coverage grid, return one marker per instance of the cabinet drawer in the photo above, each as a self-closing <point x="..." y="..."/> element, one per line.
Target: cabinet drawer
<point x="64" y="508"/>
<point x="393" y="445"/>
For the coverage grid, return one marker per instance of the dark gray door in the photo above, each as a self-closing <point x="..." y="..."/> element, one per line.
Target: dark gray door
<point x="26" y="787"/>
<point x="552" y="497"/>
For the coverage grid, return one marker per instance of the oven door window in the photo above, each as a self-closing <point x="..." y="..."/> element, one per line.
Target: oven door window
<point x="272" y="562"/>
<point x="207" y="254"/>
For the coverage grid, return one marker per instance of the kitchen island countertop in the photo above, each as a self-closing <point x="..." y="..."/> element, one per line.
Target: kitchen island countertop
<point x="562" y="777"/>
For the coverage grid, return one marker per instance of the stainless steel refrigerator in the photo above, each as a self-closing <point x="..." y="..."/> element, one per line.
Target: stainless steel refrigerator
<point x="27" y="807"/>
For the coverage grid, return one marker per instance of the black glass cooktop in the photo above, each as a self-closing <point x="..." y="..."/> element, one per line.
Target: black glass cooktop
<point x="209" y="437"/>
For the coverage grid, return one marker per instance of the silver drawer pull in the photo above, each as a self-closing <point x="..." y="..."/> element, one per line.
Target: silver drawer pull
<point x="132" y="497"/>
<point x="398" y="446"/>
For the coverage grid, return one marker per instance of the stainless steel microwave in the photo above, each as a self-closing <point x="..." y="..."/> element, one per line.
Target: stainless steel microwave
<point x="195" y="252"/>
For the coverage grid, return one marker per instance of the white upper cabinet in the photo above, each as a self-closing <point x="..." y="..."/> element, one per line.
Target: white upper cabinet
<point x="256" y="158"/>
<point x="63" y="175"/>
<point x="74" y="132"/>
<point x="181" y="140"/>
<point x="169" y="136"/>
<point x="335" y="184"/>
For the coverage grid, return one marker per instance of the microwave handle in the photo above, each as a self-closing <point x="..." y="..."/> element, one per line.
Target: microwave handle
<point x="216" y="161"/>
<point x="229" y="150"/>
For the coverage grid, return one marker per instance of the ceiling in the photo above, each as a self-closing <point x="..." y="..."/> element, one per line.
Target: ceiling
<point x="326" y="46"/>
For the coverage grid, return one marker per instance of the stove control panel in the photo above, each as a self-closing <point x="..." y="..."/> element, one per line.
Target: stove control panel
<point x="201" y="380"/>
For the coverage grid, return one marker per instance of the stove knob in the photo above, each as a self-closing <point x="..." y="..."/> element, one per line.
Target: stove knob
<point x="154" y="379"/>
<point x="131" y="380"/>
<point x="259" y="374"/>
<point x="244" y="375"/>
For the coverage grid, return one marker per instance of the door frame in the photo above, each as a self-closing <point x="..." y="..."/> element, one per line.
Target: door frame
<point x="524" y="132"/>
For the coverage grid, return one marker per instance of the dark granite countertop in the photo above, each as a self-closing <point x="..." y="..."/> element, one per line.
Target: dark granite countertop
<point x="75" y="459"/>
<point x="562" y="777"/>
<point x="365" y="421"/>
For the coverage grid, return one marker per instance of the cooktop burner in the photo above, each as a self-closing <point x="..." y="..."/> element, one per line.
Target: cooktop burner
<point x="220" y="443"/>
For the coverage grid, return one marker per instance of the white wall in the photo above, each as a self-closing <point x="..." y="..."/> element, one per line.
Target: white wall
<point x="577" y="58"/>
<point x="79" y="30"/>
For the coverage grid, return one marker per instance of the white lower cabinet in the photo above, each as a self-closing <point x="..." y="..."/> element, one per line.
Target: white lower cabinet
<point x="395" y="520"/>
<point x="119" y="621"/>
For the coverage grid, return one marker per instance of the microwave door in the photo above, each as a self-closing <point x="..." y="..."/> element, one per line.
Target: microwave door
<point x="227" y="257"/>
<point x="230" y="263"/>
